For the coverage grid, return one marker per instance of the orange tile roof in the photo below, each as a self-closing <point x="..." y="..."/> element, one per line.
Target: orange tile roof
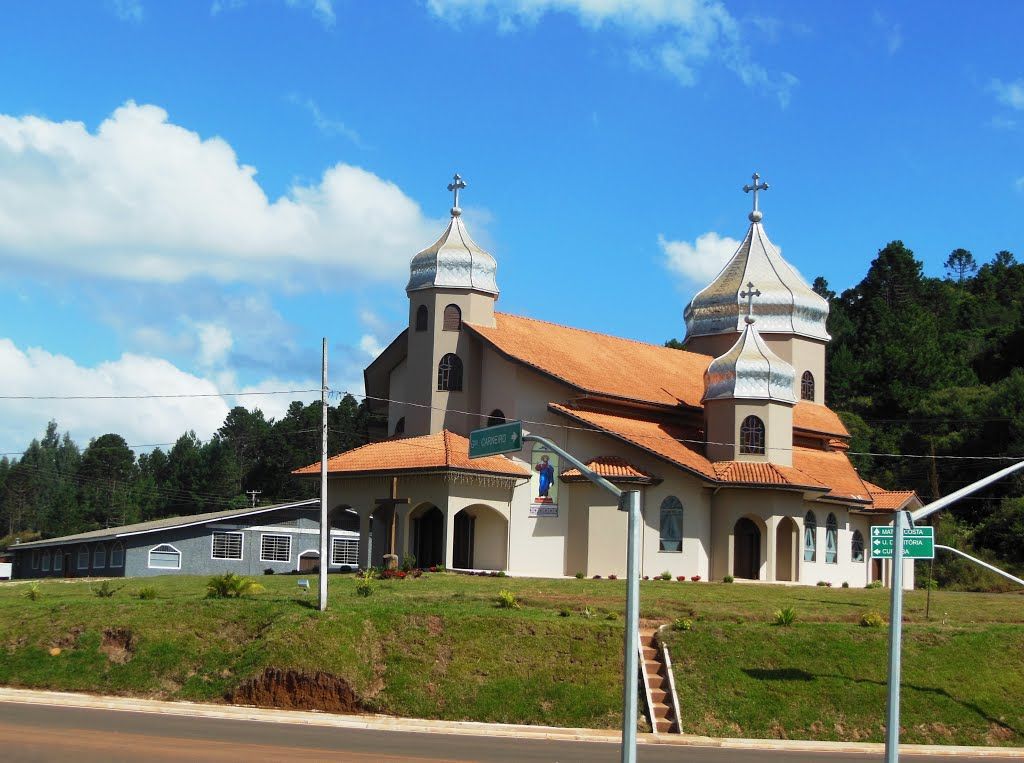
<point x="760" y="473"/>
<point x="442" y="451"/>
<point x="889" y="500"/>
<point x="655" y="437"/>
<point x="834" y="469"/>
<point x="599" y="363"/>
<point x="612" y="468"/>
<point x="817" y="418"/>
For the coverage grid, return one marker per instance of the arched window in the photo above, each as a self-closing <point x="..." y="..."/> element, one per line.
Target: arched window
<point x="99" y="556"/>
<point x="58" y="560"/>
<point x="497" y="417"/>
<point x="807" y="386"/>
<point x="671" y="524"/>
<point x="164" y="557"/>
<point x="449" y="373"/>
<point x="117" y="555"/>
<point x="400" y="427"/>
<point x="46" y="560"/>
<point x="752" y="435"/>
<point x="810" y="537"/>
<point x="857" y="547"/>
<point x="421" y="318"/>
<point x="831" y="540"/>
<point x="83" y="557"/>
<point x="452" y="318"/>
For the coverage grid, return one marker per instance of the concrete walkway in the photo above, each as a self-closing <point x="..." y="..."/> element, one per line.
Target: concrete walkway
<point x="390" y="723"/>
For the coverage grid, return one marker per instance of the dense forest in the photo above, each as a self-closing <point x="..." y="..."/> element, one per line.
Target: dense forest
<point x="55" y="488"/>
<point x="927" y="373"/>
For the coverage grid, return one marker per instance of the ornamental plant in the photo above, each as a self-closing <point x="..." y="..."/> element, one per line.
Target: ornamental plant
<point x="695" y="578"/>
<point x="508" y="600"/>
<point x="872" y="620"/>
<point x="681" y="578"/>
<point x="784" y="617"/>
<point x="231" y="586"/>
<point x="666" y="575"/>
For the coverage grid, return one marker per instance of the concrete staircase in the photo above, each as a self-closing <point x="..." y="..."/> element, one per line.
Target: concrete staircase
<point x="658" y="684"/>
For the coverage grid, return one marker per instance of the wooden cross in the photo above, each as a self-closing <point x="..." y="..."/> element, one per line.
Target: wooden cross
<point x="394" y="502"/>
<point x="455" y="186"/>
<point x="755" y="188"/>
<point x="749" y="295"/>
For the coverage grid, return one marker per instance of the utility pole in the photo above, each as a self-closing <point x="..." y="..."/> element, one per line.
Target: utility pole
<point x="325" y="531"/>
<point x="252" y="494"/>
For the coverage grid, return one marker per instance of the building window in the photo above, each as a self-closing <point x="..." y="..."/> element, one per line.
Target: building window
<point x="831" y="540"/>
<point x="810" y="541"/>
<point x="276" y="548"/>
<point x="46" y="561"/>
<point x="449" y="373"/>
<point x="164" y="557"/>
<point x="807" y="386"/>
<point x="452" y="318"/>
<point x="227" y="546"/>
<point x="58" y="560"/>
<point x="83" y="557"/>
<point x="857" y="547"/>
<point x="752" y="435"/>
<point x="400" y="427"/>
<point x="421" y="318"/>
<point x="35" y="560"/>
<point x="117" y="555"/>
<point x="671" y="524"/>
<point x="496" y="417"/>
<point x="345" y="551"/>
<point x="99" y="556"/>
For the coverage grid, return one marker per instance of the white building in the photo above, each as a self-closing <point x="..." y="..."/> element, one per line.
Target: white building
<point x="742" y="468"/>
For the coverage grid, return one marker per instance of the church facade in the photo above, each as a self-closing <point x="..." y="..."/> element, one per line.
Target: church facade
<point x="743" y="471"/>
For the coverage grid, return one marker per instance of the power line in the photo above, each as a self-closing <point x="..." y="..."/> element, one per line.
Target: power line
<point x="158" y="396"/>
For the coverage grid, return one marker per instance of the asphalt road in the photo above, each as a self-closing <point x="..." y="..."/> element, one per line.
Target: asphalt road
<point x="30" y="732"/>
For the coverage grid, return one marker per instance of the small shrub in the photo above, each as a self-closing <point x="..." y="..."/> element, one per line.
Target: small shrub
<point x="681" y="578"/>
<point x="104" y="590"/>
<point x="416" y="573"/>
<point x="32" y="593"/>
<point x="268" y="571"/>
<point x="597" y="577"/>
<point x="728" y="579"/>
<point x="666" y="575"/>
<point x="695" y="578"/>
<point x="611" y="616"/>
<point x="872" y="620"/>
<point x="408" y="562"/>
<point x="930" y="584"/>
<point x="563" y="612"/>
<point x="682" y="624"/>
<point x="580" y="576"/>
<point x="613" y="577"/>
<point x="824" y="583"/>
<point x="587" y="613"/>
<point x="845" y="584"/>
<point x="647" y="577"/>
<point x="364" y="583"/>
<point x="231" y="586"/>
<point x="785" y="616"/>
<point x="874" y="584"/>
<point x="146" y="594"/>
<point x="440" y="568"/>
<point x="507" y="600"/>
<point x="501" y="574"/>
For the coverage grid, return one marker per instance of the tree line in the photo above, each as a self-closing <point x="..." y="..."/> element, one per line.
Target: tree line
<point x="56" y="488"/>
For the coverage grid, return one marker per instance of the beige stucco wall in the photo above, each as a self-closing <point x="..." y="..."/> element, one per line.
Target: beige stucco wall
<point x="398" y="390"/>
<point x="723" y="419"/>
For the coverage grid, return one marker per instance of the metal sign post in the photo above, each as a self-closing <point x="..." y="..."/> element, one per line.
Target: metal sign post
<point x="500" y="439"/>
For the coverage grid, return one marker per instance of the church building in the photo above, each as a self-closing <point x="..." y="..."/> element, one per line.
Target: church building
<point x="743" y="470"/>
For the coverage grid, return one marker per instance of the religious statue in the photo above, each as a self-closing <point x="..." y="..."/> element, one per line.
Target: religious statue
<point x="547" y="476"/>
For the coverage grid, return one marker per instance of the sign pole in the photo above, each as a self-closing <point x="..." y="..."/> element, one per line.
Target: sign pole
<point x="892" y="726"/>
<point x="629" y="688"/>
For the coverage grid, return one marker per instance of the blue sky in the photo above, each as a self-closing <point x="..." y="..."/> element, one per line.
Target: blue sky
<point x="193" y="193"/>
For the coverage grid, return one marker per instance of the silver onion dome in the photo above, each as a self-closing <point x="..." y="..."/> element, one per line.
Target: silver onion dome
<point x="750" y="371"/>
<point x="454" y="260"/>
<point x="787" y="304"/>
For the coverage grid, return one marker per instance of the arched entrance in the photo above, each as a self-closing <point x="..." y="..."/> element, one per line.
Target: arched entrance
<point x="787" y="538"/>
<point x="746" y="550"/>
<point x="309" y="561"/>
<point x="428" y="537"/>
<point x="480" y="539"/>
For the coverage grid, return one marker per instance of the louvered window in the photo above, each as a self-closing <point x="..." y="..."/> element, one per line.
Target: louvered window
<point x="452" y="318"/>
<point x="276" y="548"/>
<point x="227" y="546"/>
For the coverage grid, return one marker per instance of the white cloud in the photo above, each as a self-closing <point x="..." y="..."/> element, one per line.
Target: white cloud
<point x="127" y="10"/>
<point x="1019" y="183"/>
<point x="891" y="31"/>
<point x="214" y="344"/>
<point x="1009" y="93"/>
<point x="700" y="261"/>
<point x="37" y="372"/>
<point x="678" y="36"/>
<point x="326" y="125"/>
<point x="322" y="10"/>
<point x="143" y="199"/>
<point x="370" y="345"/>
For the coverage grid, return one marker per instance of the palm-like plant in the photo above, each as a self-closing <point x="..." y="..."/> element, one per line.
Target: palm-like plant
<point x="231" y="586"/>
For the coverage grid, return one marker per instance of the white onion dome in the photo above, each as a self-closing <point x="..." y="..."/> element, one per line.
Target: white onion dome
<point x="454" y="261"/>
<point x="787" y="304"/>
<point x="750" y="371"/>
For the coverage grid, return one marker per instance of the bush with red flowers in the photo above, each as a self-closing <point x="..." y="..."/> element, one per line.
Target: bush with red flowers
<point x="613" y="577"/>
<point x="597" y="577"/>
<point x="681" y="578"/>
<point x="695" y="578"/>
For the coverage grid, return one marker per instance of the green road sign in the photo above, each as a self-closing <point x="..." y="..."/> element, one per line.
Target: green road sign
<point x="490" y="441"/>
<point x="918" y="543"/>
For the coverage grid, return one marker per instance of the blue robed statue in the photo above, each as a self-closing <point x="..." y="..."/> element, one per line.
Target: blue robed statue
<point x="547" y="476"/>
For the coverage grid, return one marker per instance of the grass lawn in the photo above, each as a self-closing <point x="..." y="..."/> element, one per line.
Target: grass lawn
<point x="438" y="647"/>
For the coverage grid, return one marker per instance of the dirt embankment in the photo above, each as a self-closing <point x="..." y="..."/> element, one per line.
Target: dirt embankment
<point x="295" y="690"/>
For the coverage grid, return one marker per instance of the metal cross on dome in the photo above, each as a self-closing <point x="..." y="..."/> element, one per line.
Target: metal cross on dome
<point x="455" y="186"/>
<point x="755" y="214"/>
<point x="749" y="295"/>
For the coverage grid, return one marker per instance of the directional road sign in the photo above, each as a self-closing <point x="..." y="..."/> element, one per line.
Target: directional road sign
<point x="490" y="441"/>
<point x="918" y="542"/>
